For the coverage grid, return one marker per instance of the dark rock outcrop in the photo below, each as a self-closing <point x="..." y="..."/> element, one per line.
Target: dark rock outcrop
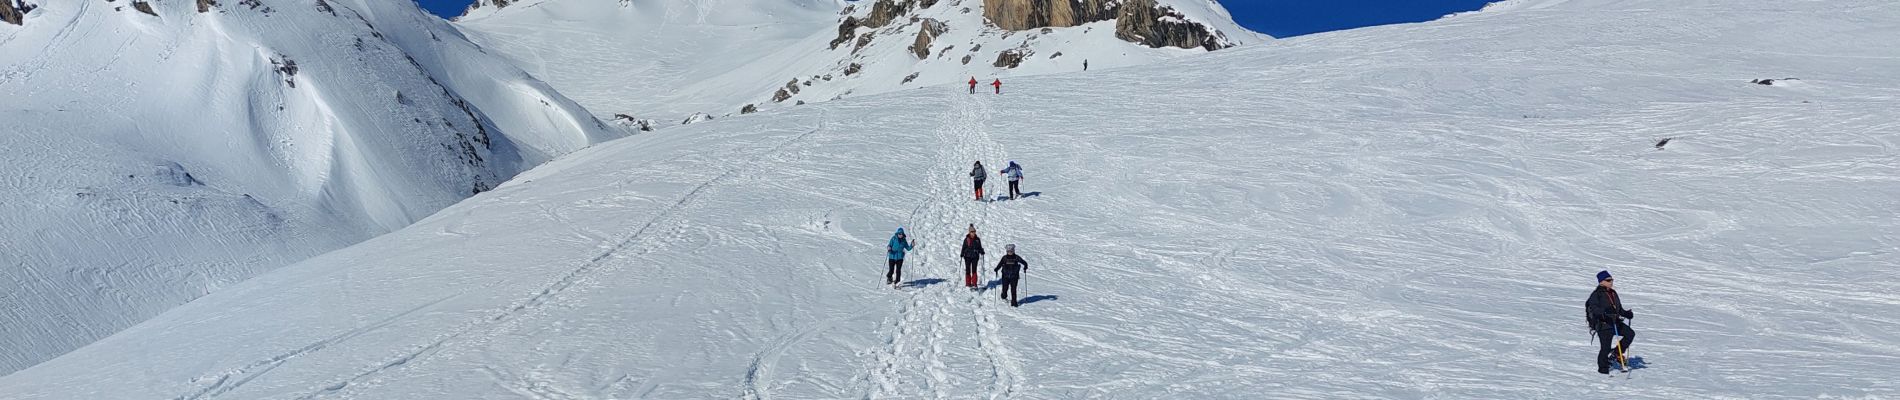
<point x="1141" y="21"/>
<point x="864" y="40"/>
<point x="847" y="29"/>
<point x="748" y="109"/>
<point x="12" y="14"/>
<point x="144" y="7"/>
<point x="885" y="11"/>
<point x="644" y="125"/>
<point x="853" y="69"/>
<point x="785" y="93"/>
<point x="931" y="29"/>
<point x="1012" y="58"/>
<point x="1019" y="15"/>
<point x="204" y="6"/>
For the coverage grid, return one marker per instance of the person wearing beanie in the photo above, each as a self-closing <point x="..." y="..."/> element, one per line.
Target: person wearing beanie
<point x="1012" y="267"/>
<point x="899" y="244"/>
<point x="1606" y="315"/>
<point x="972" y="254"/>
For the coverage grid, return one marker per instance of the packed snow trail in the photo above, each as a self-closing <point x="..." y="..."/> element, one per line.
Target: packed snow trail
<point x="1396" y="212"/>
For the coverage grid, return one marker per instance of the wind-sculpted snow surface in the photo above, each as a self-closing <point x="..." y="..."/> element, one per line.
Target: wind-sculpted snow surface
<point x="1397" y="212"/>
<point x="150" y="159"/>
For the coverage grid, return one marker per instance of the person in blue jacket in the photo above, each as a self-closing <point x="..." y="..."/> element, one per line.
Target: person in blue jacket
<point x="899" y="245"/>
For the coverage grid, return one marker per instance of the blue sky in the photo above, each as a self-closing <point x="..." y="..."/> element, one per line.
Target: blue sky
<point x="1280" y="18"/>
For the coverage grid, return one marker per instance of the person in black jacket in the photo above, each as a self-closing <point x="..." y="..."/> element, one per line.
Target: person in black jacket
<point x="972" y="253"/>
<point x="1606" y="315"/>
<point x="1012" y="267"/>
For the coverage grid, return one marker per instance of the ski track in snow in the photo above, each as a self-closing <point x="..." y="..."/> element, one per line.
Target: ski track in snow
<point x="581" y="275"/>
<point x="936" y="309"/>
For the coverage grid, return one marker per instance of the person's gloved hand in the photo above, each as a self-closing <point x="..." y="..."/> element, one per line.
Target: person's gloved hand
<point x="1629" y="314"/>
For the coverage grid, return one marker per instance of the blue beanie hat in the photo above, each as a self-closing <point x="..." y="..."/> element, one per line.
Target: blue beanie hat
<point x="900" y="230"/>
<point x="1603" y="275"/>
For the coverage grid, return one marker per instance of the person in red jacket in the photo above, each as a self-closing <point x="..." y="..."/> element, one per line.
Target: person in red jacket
<point x="972" y="85"/>
<point x="999" y="86"/>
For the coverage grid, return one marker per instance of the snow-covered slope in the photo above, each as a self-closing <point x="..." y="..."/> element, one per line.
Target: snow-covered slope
<point x="153" y="157"/>
<point x="666" y="60"/>
<point x="1395" y="212"/>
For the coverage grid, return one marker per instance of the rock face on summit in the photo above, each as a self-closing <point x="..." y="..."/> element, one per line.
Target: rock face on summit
<point x="1136" y="21"/>
<point x="1141" y="21"/>
<point x="1019" y="15"/>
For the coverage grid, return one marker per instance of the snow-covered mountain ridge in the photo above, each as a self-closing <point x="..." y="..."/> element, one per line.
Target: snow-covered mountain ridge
<point x="666" y="60"/>
<point x="1406" y="211"/>
<point x="158" y="150"/>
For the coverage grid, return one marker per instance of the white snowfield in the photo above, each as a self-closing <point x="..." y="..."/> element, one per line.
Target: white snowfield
<point x="150" y="159"/>
<point x="1394" y="212"/>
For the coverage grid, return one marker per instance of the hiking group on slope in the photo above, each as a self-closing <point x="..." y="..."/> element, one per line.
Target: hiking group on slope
<point x="1010" y="267"/>
<point x="1604" y="311"/>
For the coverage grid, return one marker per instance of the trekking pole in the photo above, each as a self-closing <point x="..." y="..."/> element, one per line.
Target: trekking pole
<point x="1622" y="354"/>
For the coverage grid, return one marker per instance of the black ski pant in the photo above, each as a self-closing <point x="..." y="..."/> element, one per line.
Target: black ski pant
<point x="1604" y="336"/>
<point x="1009" y="290"/>
<point x="979" y="189"/>
<point x="969" y="269"/>
<point x="1014" y="190"/>
<point x="896" y="274"/>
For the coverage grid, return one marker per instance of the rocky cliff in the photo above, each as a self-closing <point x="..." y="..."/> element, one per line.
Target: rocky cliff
<point x="1144" y="22"/>
<point x="10" y="13"/>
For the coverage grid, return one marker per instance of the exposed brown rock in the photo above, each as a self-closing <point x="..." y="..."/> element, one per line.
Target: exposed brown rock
<point x="1011" y="58"/>
<point x="204" y="6"/>
<point x="863" y="40"/>
<point x="846" y="30"/>
<point x="144" y="7"/>
<point x="1017" y="15"/>
<point x="11" y="15"/>
<point x="931" y="29"/>
<point x="785" y="93"/>
<point x="885" y="11"/>
<point x="1141" y="22"/>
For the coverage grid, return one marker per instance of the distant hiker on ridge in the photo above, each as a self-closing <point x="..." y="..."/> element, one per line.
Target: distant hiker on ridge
<point x="1012" y="267"/>
<point x="999" y="85"/>
<point x="1606" y="313"/>
<point x="899" y="245"/>
<point x="972" y="253"/>
<point x="978" y="175"/>
<point x="972" y="85"/>
<point x="1015" y="174"/>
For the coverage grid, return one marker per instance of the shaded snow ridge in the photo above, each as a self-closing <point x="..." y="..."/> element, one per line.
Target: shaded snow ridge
<point x="161" y="150"/>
